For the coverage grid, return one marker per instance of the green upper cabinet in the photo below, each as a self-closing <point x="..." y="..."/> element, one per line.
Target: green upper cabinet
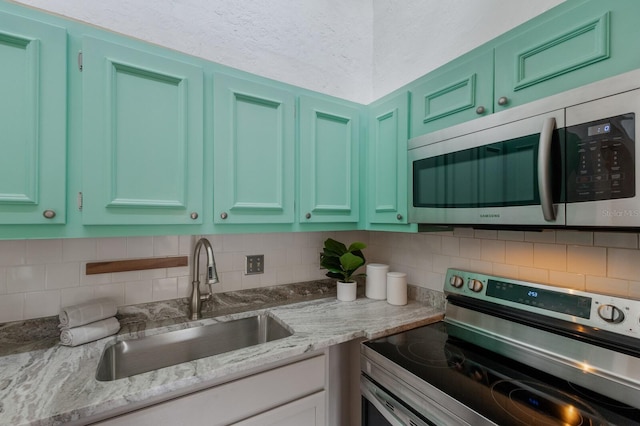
<point x="33" y="121"/>
<point x="590" y="42"/>
<point x="142" y="137"/>
<point x="387" y="161"/>
<point x="452" y="94"/>
<point x="254" y="145"/>
<point x="329" y="161"/>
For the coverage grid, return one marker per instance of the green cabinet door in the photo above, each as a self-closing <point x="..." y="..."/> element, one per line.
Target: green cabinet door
<point x="253" y="155"/>
<point x="387" y="161"/>
<point x="590" y="42"/>
<point x="33" y="121"/>
<point x="329" y="161"/>
<point x="143" y="137"/>
<point x="452" y="94"/>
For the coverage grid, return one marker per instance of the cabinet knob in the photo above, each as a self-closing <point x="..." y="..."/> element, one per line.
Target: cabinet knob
<point x="480" y="110"/>
<point x="49" y="214"/>
<point x="193" y="215"/>
<point x="399" y="216"/>
<point x="503" y="100"/>
<point x="224" y="215"/>
<point x="308" y="215"/>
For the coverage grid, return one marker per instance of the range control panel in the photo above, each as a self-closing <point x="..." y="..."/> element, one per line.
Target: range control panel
<point x="614" y="314"/>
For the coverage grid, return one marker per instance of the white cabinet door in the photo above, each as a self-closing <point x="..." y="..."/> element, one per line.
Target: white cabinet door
<point x="308" y="411"/>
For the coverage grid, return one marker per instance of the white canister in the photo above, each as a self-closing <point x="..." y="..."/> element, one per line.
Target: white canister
<point x="397" y="288"/>
<point x="376" y="287"/>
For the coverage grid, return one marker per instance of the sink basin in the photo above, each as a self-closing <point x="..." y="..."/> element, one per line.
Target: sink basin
<point x="130" y="357"/>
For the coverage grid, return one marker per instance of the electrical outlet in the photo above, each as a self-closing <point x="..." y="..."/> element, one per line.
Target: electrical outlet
<point x="255" y="264"/>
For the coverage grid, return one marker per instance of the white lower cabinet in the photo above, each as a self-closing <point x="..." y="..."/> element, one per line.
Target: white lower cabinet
<point x="293" y="394"/>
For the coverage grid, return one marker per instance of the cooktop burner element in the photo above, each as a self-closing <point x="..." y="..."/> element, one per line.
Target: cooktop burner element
<point x="494" y="363"/>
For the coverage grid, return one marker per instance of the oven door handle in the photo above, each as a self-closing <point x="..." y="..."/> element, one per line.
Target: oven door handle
<point x="398" y="416"/>
<point x="544" y="169"/>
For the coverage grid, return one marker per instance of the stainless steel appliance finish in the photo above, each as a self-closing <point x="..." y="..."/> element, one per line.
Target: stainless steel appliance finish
<point x="567" y="160"/>
<point x="509" y="352"/>
<point x="130" y="357"/>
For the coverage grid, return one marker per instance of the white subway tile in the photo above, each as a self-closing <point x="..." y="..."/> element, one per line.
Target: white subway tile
<point x="486" y="234"/>
<point x="459" y="263"/>
<point x="519" y="253"/>
<point x="623" y="263"/>
<point x="127" y="276"/>
<point x="93" y="279"/>
<point x="471" y="248"/>
<point x="73" y="296"/>
<point x="616" y="239"/>
<point x="78" y="249"/>
<point x="11" y="307"/>
<point x="181" y="271"/>
<point x="606" y="285"/>
<point x="535" y="275"/>
<point x="506" y="271"/>
<point x="634" y="289"/>
<point x="62" y="275"/>
<point x="233" y="242"/>
<point x="3" y="280"/>
<point x="165" y="289"/>
<point x="511" y="235"/>
<point x="139" y="247"/>
<point x="480" y="266"/>
<point x="111" y="248"/>
<point x="12" y="252"/>
<point x="441" y="263"/>
<point x="451" y="246"/>
<point x="581" y="238"/>
<point x="44" y="251"/>
<point x="23" y="279"/>
<point x="587" y="260"/>
<point x="138" y="292"/>
<point x="540" y="237"/>
<point x="431" y="243"/>
<point x="166" y="245"/>
<point x="111" y="291"/>
<point x="493" y="251"/>
<point x="432" y="280"/>
<point x="462" y="232"/>
<point x="154" y="274"/>
<point x="567" y="280"/>
<point x="285" y="275"/>
<point x="186" y="243"/>
<point x="550" y="256"/>
<point x="41" y="304"/>
<point x="184" y="286"/>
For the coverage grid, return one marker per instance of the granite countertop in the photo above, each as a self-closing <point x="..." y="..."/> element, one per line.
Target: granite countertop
<point x="45" y="383"/>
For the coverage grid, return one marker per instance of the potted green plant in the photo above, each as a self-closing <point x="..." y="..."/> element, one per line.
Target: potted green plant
<point x="341" y="263"/>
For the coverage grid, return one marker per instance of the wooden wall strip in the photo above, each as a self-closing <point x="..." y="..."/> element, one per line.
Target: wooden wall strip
<point x="135" y="264"/>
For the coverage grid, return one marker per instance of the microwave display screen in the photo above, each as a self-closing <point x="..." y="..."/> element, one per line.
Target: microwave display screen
<point x="599" y="129"/>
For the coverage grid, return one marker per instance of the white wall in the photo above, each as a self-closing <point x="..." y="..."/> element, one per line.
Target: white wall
<point x="356" y="49"/>
<point x="413" y="37"/>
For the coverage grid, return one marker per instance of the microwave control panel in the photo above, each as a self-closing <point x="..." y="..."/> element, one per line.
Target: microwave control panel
<point x="600" y="159"/>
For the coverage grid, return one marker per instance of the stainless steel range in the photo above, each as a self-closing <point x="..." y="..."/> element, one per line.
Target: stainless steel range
<point x="509" y="352"/>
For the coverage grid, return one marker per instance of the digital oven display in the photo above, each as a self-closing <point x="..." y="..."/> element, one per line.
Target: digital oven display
<point x="570" y="304"/>
<point x="599" y="129"/>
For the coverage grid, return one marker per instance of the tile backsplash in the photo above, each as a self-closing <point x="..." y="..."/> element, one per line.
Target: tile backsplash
<point x="37" y="277"/>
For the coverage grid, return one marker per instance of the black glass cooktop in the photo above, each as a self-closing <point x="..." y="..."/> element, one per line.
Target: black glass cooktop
<point x="503" y="390"/>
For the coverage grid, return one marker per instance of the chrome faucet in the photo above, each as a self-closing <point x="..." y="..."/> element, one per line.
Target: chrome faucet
<point x="212" y="277"/>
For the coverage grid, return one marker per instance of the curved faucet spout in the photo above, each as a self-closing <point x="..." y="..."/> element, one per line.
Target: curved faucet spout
<point x="212" y="277"/>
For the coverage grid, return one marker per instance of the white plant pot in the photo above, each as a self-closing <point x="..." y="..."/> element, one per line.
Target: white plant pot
<point x="347" y="291"/>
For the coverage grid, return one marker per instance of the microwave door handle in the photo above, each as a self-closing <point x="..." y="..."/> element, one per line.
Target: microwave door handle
<point x="544" y="169"/>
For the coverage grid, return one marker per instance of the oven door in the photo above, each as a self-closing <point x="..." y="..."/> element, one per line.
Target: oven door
<point x="506" y="174"/>
<point x="381" y="408"/>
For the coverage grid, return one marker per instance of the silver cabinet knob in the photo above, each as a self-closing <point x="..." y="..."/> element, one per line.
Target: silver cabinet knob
<point x="308" y="215"/>
<point x="224" y="215"/>
<point x="480" y="110"/>
<point x="399" y="216"/>
<point x="49" y="214"/>
<point x="503" y="100"/>
<point x="193" y="215"/>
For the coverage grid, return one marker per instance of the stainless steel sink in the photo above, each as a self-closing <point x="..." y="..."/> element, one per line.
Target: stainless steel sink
<point x="130" y="357"/>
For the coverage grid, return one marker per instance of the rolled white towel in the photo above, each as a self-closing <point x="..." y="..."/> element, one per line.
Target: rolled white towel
<point x="89" y="332"/>
<point x="84" y="313"/>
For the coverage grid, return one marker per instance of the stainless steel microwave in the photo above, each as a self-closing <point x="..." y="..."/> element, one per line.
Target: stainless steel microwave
<point x="568" y="160"/>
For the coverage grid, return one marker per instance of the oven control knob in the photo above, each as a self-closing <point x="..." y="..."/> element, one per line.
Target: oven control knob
<point x="611" y="314"/>
<point x="456" y="281"/>
<point x="475" y="286"/>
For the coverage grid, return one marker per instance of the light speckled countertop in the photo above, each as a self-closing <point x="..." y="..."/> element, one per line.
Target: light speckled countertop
<point x="44" y="383"/>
